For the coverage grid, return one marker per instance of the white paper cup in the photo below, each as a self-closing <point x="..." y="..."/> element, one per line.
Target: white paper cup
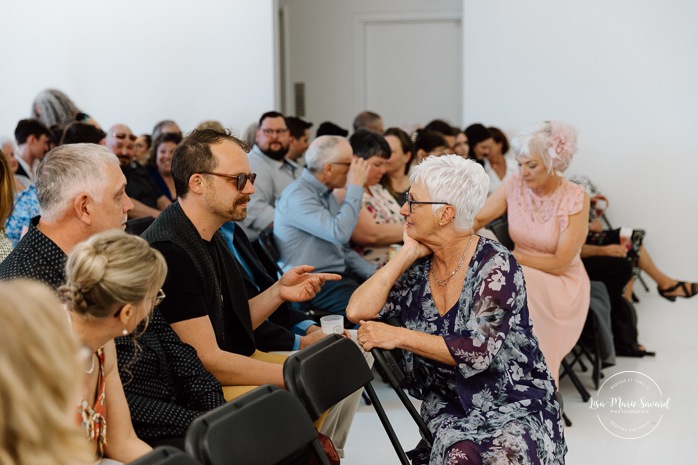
<point x="332" y="324"/>
<point x="625" y="236"/>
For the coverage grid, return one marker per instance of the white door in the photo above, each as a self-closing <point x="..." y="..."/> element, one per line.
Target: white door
<point x="412" y="70"/>
<point x="401" y="59"/>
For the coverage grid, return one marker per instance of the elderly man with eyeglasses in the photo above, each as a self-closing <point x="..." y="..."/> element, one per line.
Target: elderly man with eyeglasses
<point x="145" y="194"/>
<point x="311" y="226"/>
<point x="274" y="171"/>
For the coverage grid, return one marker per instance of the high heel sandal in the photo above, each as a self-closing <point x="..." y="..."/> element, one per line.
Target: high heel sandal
<point x="689" y="290"/>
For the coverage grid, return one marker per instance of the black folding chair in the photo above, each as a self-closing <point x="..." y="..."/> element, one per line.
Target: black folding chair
<point x="137" y="226"/>
<point x="265" y="246"/>
<point x="266" y="426"/>
<point x="166" y="455"/>
<point x="328" y="371"/>
<point x="392" y="373"/>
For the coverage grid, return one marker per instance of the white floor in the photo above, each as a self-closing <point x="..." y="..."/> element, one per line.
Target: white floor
<point x="669" y="329"/>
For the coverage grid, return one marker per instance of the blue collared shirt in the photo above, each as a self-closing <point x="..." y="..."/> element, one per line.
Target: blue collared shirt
<point x="272" y="178"/>
<point x="311" y="228"/>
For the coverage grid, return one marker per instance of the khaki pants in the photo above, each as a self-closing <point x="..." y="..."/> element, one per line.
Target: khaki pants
<point x="334" y="423"/>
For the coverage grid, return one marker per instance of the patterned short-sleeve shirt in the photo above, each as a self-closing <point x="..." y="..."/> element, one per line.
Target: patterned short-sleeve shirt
<point x="36" y="257"/>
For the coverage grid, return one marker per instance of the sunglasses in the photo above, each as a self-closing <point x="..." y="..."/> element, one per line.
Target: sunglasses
<point x="240" y="179"/>
<point x="123" y="135"/>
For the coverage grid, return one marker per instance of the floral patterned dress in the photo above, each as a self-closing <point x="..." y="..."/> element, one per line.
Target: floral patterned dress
<point x="499" y="401"/>
<point x="384" y="209"/>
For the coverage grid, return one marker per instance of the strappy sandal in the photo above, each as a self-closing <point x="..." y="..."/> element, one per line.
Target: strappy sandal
<point x="689" y="290"/>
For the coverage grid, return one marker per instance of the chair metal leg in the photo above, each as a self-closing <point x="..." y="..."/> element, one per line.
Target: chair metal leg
<point x="386" y="425"/>
<point x="575" y="380"/>
<point x="566" y="419"/>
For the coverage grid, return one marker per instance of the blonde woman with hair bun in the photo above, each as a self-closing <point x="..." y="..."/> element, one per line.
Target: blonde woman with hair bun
<point x="113" y="283"/>
<point x="39" y="373"/>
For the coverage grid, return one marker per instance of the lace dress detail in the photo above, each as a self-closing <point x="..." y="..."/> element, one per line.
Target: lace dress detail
<point x="93" y="419"/>
<point x="558" y="303"/>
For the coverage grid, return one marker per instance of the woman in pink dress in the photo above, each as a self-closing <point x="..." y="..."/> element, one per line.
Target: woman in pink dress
<point x="548" y="223"/>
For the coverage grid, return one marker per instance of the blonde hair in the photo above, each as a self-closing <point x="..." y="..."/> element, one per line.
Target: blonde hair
<point x="38" y="380"/>
<point x="7" y="189"/>
<point x="109" y="270"/>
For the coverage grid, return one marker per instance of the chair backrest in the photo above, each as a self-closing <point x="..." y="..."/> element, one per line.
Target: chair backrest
<point x="325" y="373"/>
<point x="263" y="427"/>
<point x="269" y="252"/>
<point x="137" y="226"/>
<point x="501" y="230"/>
<point x="166" y="455"/>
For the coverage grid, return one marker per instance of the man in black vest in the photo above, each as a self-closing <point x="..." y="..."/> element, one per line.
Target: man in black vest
<point x="207" y="304"/>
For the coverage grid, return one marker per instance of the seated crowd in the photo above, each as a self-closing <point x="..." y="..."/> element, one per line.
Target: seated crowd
<point x="378" y="226"/>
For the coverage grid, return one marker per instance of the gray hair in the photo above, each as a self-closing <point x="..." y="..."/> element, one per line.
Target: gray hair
<point x="54" y="107"/>
<point x="68" y="170"/>
<point x="553" y="141"/>
<point x="7" y="140"/>
<point x="322" y="151"/>
<point x="457" y="181"/>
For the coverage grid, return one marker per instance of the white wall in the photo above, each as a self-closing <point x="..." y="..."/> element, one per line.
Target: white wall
<point x="322" y="40"/>
<point x="625" y="74"/>
<point x="138" y="62"/>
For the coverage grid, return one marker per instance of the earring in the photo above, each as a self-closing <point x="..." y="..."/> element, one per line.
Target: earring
<point x="124" y="332"/>
<point x="441" y="223"/>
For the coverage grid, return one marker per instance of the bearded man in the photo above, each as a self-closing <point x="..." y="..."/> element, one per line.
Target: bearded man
<point x="274" y="171"/>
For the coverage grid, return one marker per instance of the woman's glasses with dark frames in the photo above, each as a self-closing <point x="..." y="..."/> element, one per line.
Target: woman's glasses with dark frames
<point x="410" y="202"/>
<point x="241" y="179"/>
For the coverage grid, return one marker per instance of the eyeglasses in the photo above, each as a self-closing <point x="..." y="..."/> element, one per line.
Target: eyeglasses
<point x="410" y="202"/>
<point x="271" y="132"/>
<point x="123" y="135"/>
<point x="157" y="300"/>
<point x="241" y="179"/>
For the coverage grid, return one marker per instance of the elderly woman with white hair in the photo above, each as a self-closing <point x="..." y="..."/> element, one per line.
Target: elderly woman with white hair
<point x="469" y="349"/>
<point x="548" y="218"/>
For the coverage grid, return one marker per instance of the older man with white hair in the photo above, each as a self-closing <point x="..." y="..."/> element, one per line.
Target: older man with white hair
<point x="81" y="192"/>
<point x="310" y="226"/>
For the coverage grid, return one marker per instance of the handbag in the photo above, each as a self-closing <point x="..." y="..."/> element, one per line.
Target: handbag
<point x="612" y="236"/>
<point x="329" y="449"/>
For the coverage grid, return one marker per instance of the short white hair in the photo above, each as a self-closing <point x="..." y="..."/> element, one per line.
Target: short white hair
<point x="322" y="150"/>
<point x="68" y="170"/>
<point x="457" y="181"/>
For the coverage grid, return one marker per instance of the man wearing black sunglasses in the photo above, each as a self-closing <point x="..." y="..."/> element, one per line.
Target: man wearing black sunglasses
<point x="147" y="198"/>
<point x="207" y="304"/>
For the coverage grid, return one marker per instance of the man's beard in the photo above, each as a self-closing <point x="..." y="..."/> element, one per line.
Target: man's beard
<point x="276" y="154"/>
<point x="240" y="215"/>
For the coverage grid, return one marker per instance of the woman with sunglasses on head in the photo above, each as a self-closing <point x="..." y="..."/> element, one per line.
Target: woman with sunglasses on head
<point x="113" y="282"/>
<point x="469" y="350"/>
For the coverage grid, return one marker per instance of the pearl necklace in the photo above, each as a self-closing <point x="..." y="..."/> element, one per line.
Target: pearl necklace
<point x="442" y="283"/>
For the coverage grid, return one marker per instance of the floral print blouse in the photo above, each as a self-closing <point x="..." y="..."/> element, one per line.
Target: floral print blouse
<point x="500" y="395"/>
